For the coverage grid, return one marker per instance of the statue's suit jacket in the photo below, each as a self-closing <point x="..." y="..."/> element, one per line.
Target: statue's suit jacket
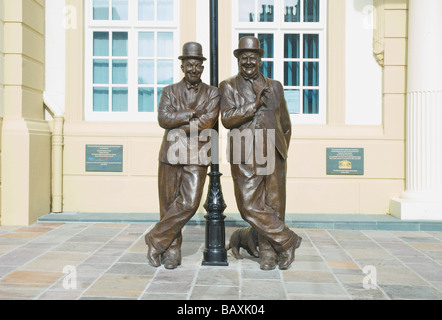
<point x="237" y="100"/>
<point x="174" y="113"/>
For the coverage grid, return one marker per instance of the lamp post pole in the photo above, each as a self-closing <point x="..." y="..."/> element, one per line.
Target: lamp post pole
<point x="215" y="253"/>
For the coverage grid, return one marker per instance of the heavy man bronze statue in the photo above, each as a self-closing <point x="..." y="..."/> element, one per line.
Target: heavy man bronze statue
<point x="183" y="106"/>
<point x="253" y="106"/>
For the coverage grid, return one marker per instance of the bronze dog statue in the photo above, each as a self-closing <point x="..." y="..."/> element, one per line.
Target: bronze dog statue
<point x="246" y="238"/>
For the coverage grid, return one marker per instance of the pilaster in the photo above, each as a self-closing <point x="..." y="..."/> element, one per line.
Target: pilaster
<point x="423" y="196"/>
<point x="26" y="136"/>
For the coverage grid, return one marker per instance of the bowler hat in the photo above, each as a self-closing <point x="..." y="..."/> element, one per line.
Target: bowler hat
<point x="192" y="50"/>
<point x="249" y="43"/>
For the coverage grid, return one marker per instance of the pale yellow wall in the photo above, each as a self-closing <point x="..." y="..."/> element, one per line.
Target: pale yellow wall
<point x="1" y="82"/>
<point x="187" y="21"/>
<point x="310" y="190"/>
<point x="135" y="189"/>
<point x="25" y="135"/>
<point x="1" y="57"/>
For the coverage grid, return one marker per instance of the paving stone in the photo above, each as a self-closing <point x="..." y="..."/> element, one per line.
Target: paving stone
<point x="32" y="277"/>
<point x="217" y="293"/>
<point x="358" y="292"/>
<point x="263" y="290"/>
<point x="217" y="276"/>
<point x="183" y="274"/>
<point x="18" y="291"/>
<point x="164" y="296"/>
<point x="249" y="274"/>
<point x="118" y="285"/>
<point x="396" y="292"/>
<point x="132" y="268"/>
<point x="387" y="275"/>
<point x="308" y="276"/>
<point x="55" y="261"/>
<point x="60" y="295"/>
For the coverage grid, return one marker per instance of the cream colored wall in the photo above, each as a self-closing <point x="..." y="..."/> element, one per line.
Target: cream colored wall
<point x="25" y="136"/>
<point x="135" y="189"/>
<point x="310" y="190"/>
<point x="1" y="83"/>
<point x="2" y="57"/>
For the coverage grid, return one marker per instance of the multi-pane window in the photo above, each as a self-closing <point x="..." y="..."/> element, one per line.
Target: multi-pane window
<point x="292" y="32"/>
<point x="131" y="55"/>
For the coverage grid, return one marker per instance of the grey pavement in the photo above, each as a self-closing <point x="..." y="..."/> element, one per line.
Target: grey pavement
<point x="107" y="260"/>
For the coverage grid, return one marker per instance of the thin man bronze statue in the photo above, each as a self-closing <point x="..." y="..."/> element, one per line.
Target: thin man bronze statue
<point x="183" y="106"/>
<point x="250" y="104"/>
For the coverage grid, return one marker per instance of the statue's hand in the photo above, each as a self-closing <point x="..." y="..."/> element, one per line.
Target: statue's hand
<point x="198" y="113"/>
<point x="262" y="98"/>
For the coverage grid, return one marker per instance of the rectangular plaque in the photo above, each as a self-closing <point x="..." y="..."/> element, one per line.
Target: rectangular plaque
<point x="104" y="158"/>
<point x="345" y="161"/>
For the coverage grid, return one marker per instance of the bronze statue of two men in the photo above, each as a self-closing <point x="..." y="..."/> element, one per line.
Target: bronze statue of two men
<point x="253" y="107"/>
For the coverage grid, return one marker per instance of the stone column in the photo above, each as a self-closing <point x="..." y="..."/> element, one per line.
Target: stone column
<point x="423" y="196"/>
<point x="25" y="135"/>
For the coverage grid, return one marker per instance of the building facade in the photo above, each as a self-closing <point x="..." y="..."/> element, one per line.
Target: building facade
<point x="81" y="81"/>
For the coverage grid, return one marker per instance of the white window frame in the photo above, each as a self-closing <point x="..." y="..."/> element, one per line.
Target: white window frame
<point x="279" y="27"/>
<point x="132" y="26"/>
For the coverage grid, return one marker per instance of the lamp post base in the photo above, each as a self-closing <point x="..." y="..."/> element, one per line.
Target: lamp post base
<point x="215" y="253"/>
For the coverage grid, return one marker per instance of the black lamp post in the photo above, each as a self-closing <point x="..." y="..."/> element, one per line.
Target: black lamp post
<point x="215" y="253"/>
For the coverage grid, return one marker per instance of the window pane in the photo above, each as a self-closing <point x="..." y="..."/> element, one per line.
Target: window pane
<point x="292" y="11"/>
<point x="267" y="69"/>
<point x="146" y="44"/>
<point x="101" y="44"/>
<point x="101" y="71"/>
<point x="311" y="46"/>
<point x="146" y="72"/>
<point x="165" y="72"/>
<point x="311" y="101"/>
<point x="165" y="44"/>
<point x="291" y="74"/>
<point x="165" y="10"/>
<point x="119" y="71"/>
<point x="119" y="44"/>
<point x="120" y="99"/>
<point x="266" y="10"/>
<point x="146" y="100"/>
<point x="101" y="99"/>
<point x="146" y="10"/>
<point x="267" y="44"/>
<point x="101" y="9"/>
<point x="311" y="10"/>
<point x="120" y="10"/>
<point x="291" y="46"/>
<point x="311" y="74"/>
<point x="293" y="98"/>
<point x="246" y="10"/>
